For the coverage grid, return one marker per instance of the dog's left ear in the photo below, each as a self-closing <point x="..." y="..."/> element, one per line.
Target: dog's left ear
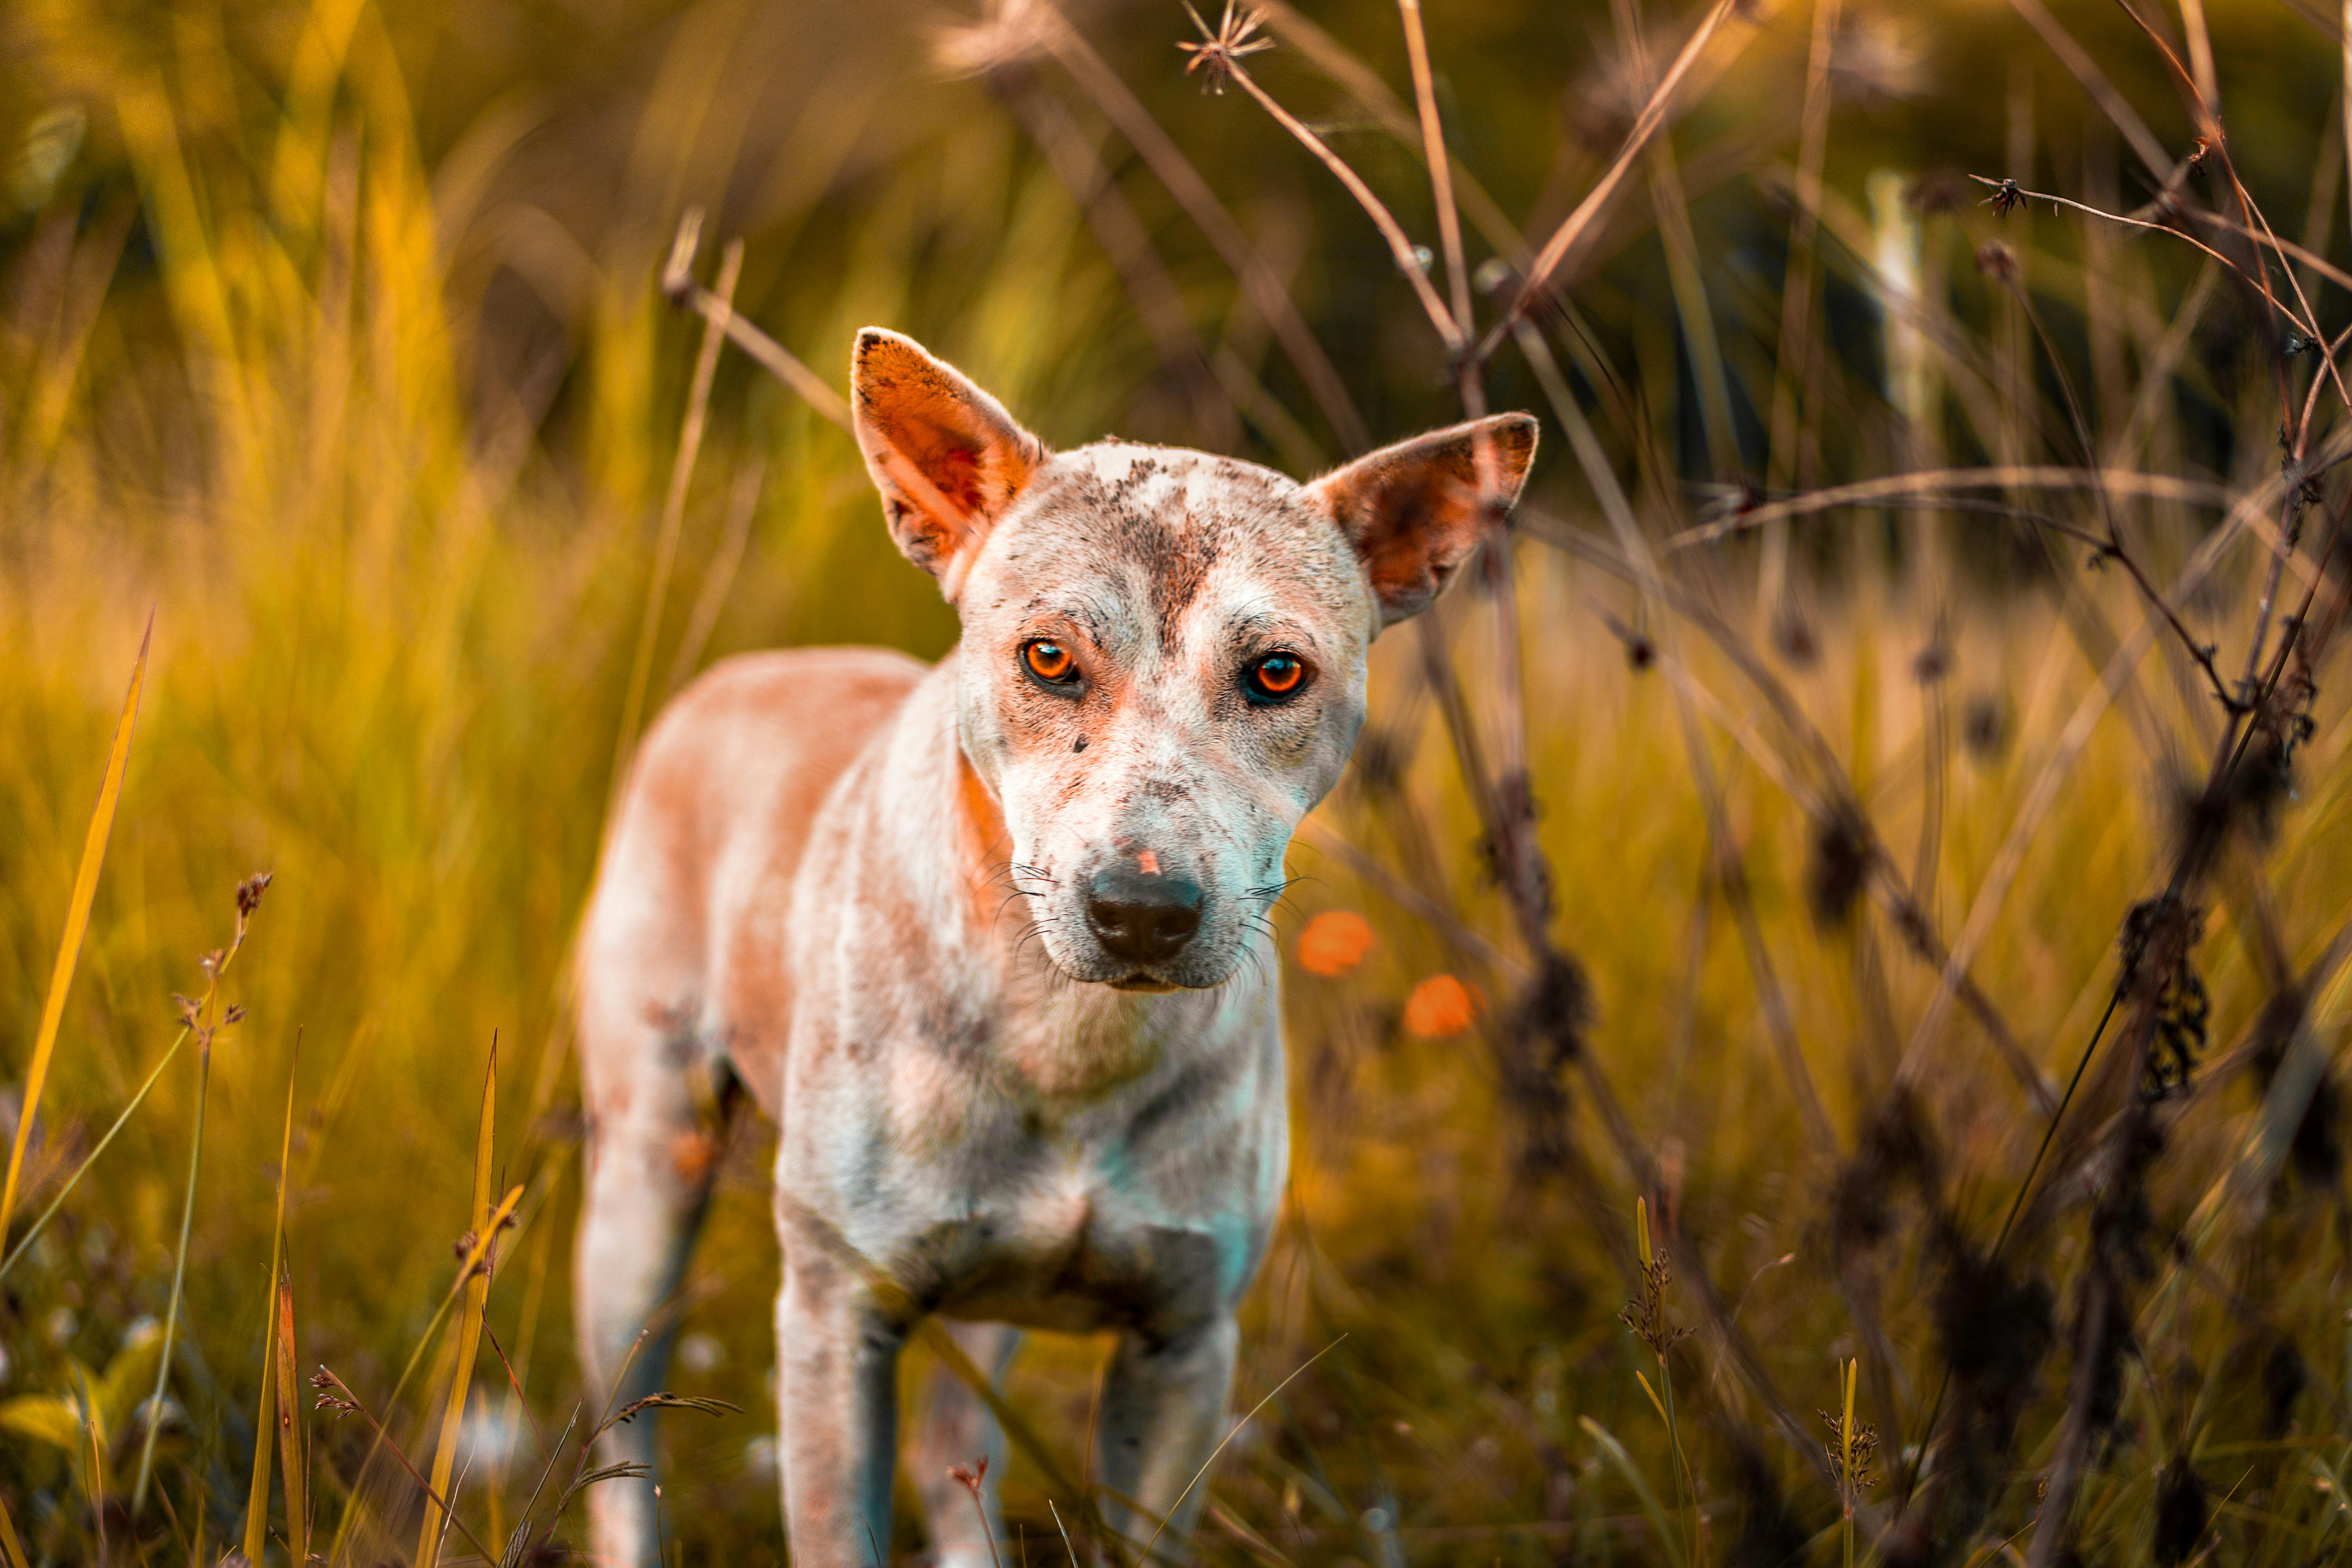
<point x="946" y="456"/>
<point x="1414" y="511"/>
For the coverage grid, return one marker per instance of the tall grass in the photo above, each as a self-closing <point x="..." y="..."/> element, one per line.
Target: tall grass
<point x="1879" y="816"/>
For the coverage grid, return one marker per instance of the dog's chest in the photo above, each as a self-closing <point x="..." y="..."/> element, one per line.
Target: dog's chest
<point x="1081" y="1245"/>
<point x="1142" y="1216"/>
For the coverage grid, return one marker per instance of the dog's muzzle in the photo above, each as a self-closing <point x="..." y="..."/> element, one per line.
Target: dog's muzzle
<point x="1142" y="918"/>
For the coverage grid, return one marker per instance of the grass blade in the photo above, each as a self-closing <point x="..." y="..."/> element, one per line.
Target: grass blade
<point x="33" y="1231"/>
<point x="293" y="1450"/>
<point x="469" y="1328"/>
<point x="256" y="1505"/>
<point x="1617" y="1457"/>
<point x="472" y="1261"/>
<point x="12" y="1551"/>
<point x="85" y="890"/>
<point x="178" y="1278"/>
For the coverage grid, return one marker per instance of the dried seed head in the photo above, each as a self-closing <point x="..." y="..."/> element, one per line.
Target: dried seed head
<point x="1897" y="1147"/>
<point x="1839" y="869"/>
<point x="1984" y="727"/>
<point x="1864" y="1447"/>
<point x="2159" y="940"/>
<point x="249" y="891"/>
<point x="1997" y="261"/>
<point x="1793" y="636"/>
<point x="1992" y="1329"/>
<point x="1646" y="1314"/>
<point x="1219" y="54"/>
<point x="1937" y="191"/>
<point x="1554" y="1011"/>
<point x="2006" y="198"/>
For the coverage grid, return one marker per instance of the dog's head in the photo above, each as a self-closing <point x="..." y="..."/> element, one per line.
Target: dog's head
<point x="1162" y="666"/>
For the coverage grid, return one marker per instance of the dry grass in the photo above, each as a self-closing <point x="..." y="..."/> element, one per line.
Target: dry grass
<point x="1903" y="710"/>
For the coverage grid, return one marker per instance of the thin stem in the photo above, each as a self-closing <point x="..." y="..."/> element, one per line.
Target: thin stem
<point x="2114" y="549"/>
<point x="681" y="478"/>
<point x="1158" y="305"/>
<point x="1175" y="172"/>
<point x="1406" y="254"/>
<point x="384" y="1440"/>
<point x="1441" y="167"/>
<point x="179" y="1277"/>
<point x="1573" y="227"/>
<point x="1327" y="55"/>
<point x="1686" y="1483"/>
<point x="1936" y="484"/>
<point x="50" y="1213"/>
<point x="2078" y="60"/>
<point x="2260" y="286"/>
<point x="1797" y="279"/>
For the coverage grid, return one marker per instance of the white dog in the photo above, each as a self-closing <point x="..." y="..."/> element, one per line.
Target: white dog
<point x="989" y="941"/>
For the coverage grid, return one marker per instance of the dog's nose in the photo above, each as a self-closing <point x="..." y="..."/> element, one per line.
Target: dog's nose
<point x="1143" y="917"/>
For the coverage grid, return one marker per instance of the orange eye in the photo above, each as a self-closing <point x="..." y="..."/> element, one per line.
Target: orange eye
<point x="1049" y="661"/>
<point x="1275" y="677"/>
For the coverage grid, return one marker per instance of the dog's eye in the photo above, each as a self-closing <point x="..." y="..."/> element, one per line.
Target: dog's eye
<point x="1049" y="661"/>
<point x="1277" y="678"/>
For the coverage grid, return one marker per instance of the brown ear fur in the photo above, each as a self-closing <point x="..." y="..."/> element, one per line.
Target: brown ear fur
<point x="1414" y="511"/>
<point x="945" y="454"/>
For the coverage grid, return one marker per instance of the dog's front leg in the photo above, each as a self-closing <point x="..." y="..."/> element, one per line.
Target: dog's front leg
<point x="955" y="1428"/>
<point x="1163" y="1415"/>
<point x="837" y="1360"/>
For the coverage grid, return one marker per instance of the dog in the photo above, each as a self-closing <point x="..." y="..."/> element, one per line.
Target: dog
<point x="990" y="943"/>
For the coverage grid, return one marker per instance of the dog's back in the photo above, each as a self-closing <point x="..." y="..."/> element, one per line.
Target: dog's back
<point x="717" y="812"/>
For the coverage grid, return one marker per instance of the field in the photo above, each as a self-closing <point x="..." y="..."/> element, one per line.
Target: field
<point x="1817" y="1018"/>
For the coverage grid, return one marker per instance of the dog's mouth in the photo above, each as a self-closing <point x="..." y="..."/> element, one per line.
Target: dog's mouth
<point x="1144" y="982"/>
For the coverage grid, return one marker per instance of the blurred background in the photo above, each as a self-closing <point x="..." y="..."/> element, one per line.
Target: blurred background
<point x="332" y="339"/>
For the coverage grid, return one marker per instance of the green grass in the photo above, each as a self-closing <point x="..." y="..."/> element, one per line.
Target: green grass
<point x="337" y="347"/>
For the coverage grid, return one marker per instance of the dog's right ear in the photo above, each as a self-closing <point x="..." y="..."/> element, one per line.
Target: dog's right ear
<point x="946" y="456"/>
<point x="1416" y="509"/>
